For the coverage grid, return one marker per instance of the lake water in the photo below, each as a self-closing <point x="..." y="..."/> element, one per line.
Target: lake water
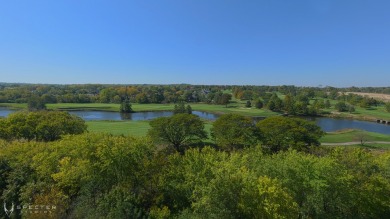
<point x="5" y="111"/>
<point x="327" y="124"/>
<point x="103" y="115"/>
<point x="100" y="115"/>
<point x="331" y="125"/>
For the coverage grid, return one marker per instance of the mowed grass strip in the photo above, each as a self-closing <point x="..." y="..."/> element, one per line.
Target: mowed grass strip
<point x="84" y="106"/>
<point x="16" y="106"/>
<point x="234" y="107"/>
<point x="351" y="135"/>
<point x="133" y="128"/>
<point x="370" y="113"/>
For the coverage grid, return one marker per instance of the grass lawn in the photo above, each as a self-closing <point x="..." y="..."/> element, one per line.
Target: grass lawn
<point x="135" y="128"/>
<point x="14" y="105"/>
<point x="140" y="128"/>
<point x="370" y="113"/>
<point x="350" y="135"/>
<point x="233" y="108"/>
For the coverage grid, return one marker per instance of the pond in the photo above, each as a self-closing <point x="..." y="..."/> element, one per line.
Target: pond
<point x="332" y="124"/>
<point x="327" y="124"/>
<point x="101" y="115"/>
<point x="5" y="111"/>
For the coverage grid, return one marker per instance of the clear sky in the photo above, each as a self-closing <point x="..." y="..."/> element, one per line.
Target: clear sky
<point x="255" y="42"/>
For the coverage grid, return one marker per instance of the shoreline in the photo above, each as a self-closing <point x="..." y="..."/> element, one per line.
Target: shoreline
<point x="334" y="115"/>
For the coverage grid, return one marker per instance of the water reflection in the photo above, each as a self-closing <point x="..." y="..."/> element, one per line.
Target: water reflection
<point x="102" y="115"/>
<point x="327" y="124"/>
<point x="126" y="116"/>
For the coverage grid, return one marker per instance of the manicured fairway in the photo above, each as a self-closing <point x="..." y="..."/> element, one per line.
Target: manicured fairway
<point x="135" y="128"/>
<point x="14" y="105"/>
<point x="351" y="135"/>
<point x="369" y="114"/>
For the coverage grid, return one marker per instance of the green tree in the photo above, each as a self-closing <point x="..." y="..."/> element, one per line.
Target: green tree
<point x="41" y="125"/>
<point x="387" y="106"/>
<point x="231" y="131"/>
<point x="280" y="133"/>
<point x="35" y="103"/>
<point x="179" y="108"/>
<point x="246" y="95"/>
<point x="225" y="99"/>
<point x="177" y="130"/>
<point x="275" y="103"/>
<point x="301" y="108"/>
<point x="327" y="104"/>
<point x="248" y="104"/>
<point x="361" y="136"/>
<point x="289" y="105"/>
<point x="341" y="107"/>
<point x="125" y="106"/>
<point x="351" y="108"/>
<point x="189" y="109"/>
<point x="259" y="104"/>
<point x="364" y="103"/>
<point x="182" y="108"/>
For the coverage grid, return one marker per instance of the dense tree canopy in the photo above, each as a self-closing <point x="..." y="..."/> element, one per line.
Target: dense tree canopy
<point x="125" y="106"/>
<point x="35" y="103"/>
<point x="40" y="125"/>
<point x="182" y="108"/>
<point x="232" y="131"/>
<point x="280" y="133"/>
<point x="177" y="130"/>
<point x="387" y="107"/>
<point x="105" y="176"/>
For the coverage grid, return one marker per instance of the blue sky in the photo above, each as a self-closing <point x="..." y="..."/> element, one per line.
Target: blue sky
<point x="275" y="42"/>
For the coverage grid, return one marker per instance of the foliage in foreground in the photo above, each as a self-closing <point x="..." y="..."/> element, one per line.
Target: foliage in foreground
<point x="104" y="176"/>
<point x="40" y="125"/>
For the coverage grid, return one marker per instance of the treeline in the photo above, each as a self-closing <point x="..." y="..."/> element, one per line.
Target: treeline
<point x="21" y="93"/>
<point x="292" y="100"/>
<point x="303" y="101"/>
<point x="86" y="93"/>
<point x="105" y="176"/>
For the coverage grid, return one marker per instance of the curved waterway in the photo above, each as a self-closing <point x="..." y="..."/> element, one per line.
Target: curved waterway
<point x="327" y="124"/>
